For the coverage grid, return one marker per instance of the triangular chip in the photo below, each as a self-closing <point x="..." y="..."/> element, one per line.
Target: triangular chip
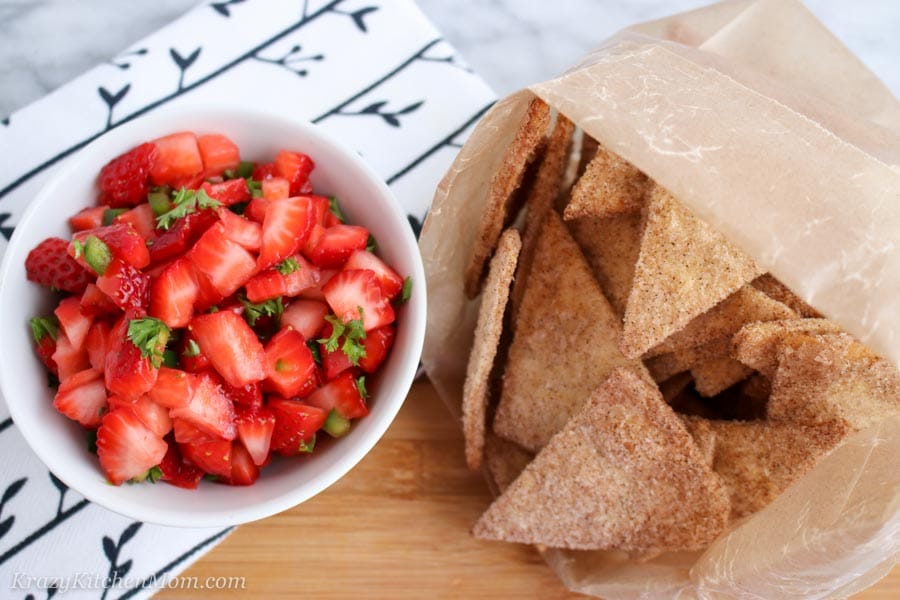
<point x="664" y="366"/>
<point x="717" y="375"/>
<point x="673" y="386"/>
<point x="746" y="305"/>
<point x="756" y="344"/>
<point x="610" y="185"/>
<point x="684" y="269"/>
<point x="611" y="246"/>
<point x="498" y="211"/>
<point x="624" y="474"/>
<point x="504" y="460"/>
<point x="778" y="291"/>
<point x="832" y="378"/>
<point x="758" y="460"/>
<point x="486" y="341"/>
<point x="564" y="345"/>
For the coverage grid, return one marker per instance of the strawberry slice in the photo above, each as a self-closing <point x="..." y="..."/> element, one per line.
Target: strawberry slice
<point x="256" y="209"/>
<point x="218" y="154"/>
<point x="306" y="316"/>
<point x="68" y="359"/>
<point x="337" y="244"/>
<point x="291" y="278"/>
<point x="88" y="218"/>
<point x="97" y="304"/>
<point x="225" y="263"/>
<point x="295" y="167"/>
<point x="177" y="159"/>
<point x="264" y="171"/>
<point x="291" y="368"/>
<point x="378" y="344"/>
<point x="244" y="470"/>
<point x="296" y="425"/>
<point x="126" y="447"/>
<point x="127" y="373"/>
<point x="142" y="219"/>
<point x="228" y="192"/>
<point x="151" y="414"/>
<point x="276" y="188"/>
<point x="212" y="455"/>
<point x="315" y="235"/>
<point x="248" y="396"/>
<point x="82" y="398"/>
<point x="45" y="330"/>
<point x="285" y="228"/>
<point x="315" y="293"/>
<point x="190" y="356"/>
<point x="123" y="241"/>
<point x="177" y="472"/>
<point x="182" y="235"/>
<point x="342" y="395"/>
<point x="174" y="293"/>
<point x="254" y="429"/>
<point x="391" y="282"/>
<point x="49" y="264"/>
<point x="74" y="323"/>
<point x="348" y="292"/>
<point x="96" y="344"/>
<point x="123" y="181"/>
<point x="242" y="231"/>
<point x="231" y="346"/>
<point x="173" y="388"/>
<point x="209" y="410"/>
<point x="126" y="286"/>
<point x="186" y="433"/>
<point x="322" y="208"/>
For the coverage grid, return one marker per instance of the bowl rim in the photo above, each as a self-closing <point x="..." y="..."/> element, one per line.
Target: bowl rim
<point x="415" y="319"/>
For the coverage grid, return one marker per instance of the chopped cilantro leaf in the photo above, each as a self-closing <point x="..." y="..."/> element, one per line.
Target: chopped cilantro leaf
<point x="371" y="245"/>
<point x="288" y="266"/>
<point x="353" y="333"/>
<point x="149" y="335"/>
<point x="255" y="188"/>
<point x="335" y="209"/>
<point x="41" y="326"/>
<point x="184" y="203"/>
<point x="313" y="346"/>
<point x="269" y="308"/>
<point x="193" y="348"/>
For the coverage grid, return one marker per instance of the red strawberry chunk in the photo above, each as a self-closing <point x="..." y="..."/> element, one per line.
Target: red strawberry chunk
<point x="315" y="235"/>
<point x="272" y="283"/>
<point x="187" y="433"/>
<point x="244" y="470"/>
<point x="315" y="292"/>
<point x="337" y="244"/>
<point x="291" y="368"/>
<point x="231" y="346"/>
<point x="276" y="188"/>
<point x="296" y="168"/>
<point x="254" y="430"/>
<point x="209" y="410"/>
<point x="123" y="241"/>
<point x="69" y="359"/>
<point x="177" y="160"/>
<point x="127" y="287"/>
<point x="96" y="343"/>
<point x="378" y="344"/>
<point x="218" y="154"/>
<point x="87" y="218"/>
<point x="142" y="219"/>
<point x="127" y="373"/>
<point x="212" y="455"/>
<point x="151" y="414"/>
<point x="296" y="424"/>
<point x="50" y="265"/>
<point x="173" y="388"/>
<point x="228" y="192"/>
<point x="182" y="235"/>
<point x="123" y="182"/>
<point x="286" y="225"/>
<point x="45" y="346"/>
<point x="97" y="304"/>
<point x="126" y="447"/>
<point x="190" y="355"/>
<point x="306" y="316"/>
<point x="342" y="395"/>
<point x="225" y="263"/>
<point x="74" y="323"/>
<point x="248" y="396"/>
<point x="390" y="281"/>
<point x="256" y="209"/>
<point x="174" y="293"/>
<point x="350" y="291"/>
<point x="242" y="231"/>
<point x="336" y="362"/>
<point x="177" y="472"/>
<point x="264" y="171"/>
<point x="82" y="398"/>
<point x="322" y="208"/>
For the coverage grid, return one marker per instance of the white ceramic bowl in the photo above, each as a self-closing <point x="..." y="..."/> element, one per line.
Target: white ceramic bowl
<point x="60" y="443"/>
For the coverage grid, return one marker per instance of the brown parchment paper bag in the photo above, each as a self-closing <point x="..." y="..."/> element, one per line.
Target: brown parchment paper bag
<point x="763" y="124"/>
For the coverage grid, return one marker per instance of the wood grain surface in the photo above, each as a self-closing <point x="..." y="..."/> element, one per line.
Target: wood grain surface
<point x="395" y="527"/>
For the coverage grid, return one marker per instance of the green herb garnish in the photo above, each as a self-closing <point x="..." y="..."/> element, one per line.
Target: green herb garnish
<point x="335" y="209"/>
<point x="43" y="326"/>
<point x="288" y="266"/>
<point x="184" y="203"/>
<point x="149" y="335"/>
<point x="353" y="333"/>
<point x="269" y="308"/>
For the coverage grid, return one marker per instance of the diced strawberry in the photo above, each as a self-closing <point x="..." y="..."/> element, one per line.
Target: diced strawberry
<point x="69" y="359"/>
<point x="332" y="219"/>
<point x="306" y="316"/>
<point x="74" y="323"/>
<point x="212" y="455"/>
<point x="186" y="432"/>
<point x="96" y="343"/>
<point x="271" y="283"/>
<point x="231" y="346"/>
<point x="390" y="281"/>
<point x="173" y="388"/>
<point x="378" y="344"/>
<point x="208" y="295"/>
<point x="151" y="414"/>
<point x="88" y="218"/>
<point x="127" y="373"/>
<point x="321" y="207"/>
<point x="315" y="292"/>
<point x="127" y="287"/>
<point x="50" y="265"/>
<point x="126" y="447"/>
<point x="315" y="236"/>
<point x="335" y="362"/>
<point x="174" y="293"/>
<point x="142" y="219"/>
<point x="190" y="355"/>
<point x="177" y="159"/>
<point x="350" y="291"/>
<point x="97" y="304"/>
<point x="209" y="409"/>
<point x="243" y="469"/>
<point x="286" y="225"/>
<point x="242" y="231"/>
<point x="254" y="430"/>
<point x="266" y="285"/>
<point x="225" y="263"/>
<point x="276" y="188"/>
<point x="182" y="235"/>
<point x="44" y="331"/>
<point x="256" y="209"/>
<point x="123" y="241"/>
<point x="177" y="472"/>
<point x="264" y="171"/>
<point x="291" y="368"/>
<point x="296" y="168"/>
<point x="248" y="396"/>
<point x="342" y="395"/>
<point x="123" y="181"/>
<point x="296" y="424"/>
<point x="82" y="398"/>
<point x="228" y="192"/>
<point x="337" y="244"/>
<point x="218" y="154"/>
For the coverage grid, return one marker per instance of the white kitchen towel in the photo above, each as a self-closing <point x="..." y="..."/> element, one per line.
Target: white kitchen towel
<point x="374" y="73"/>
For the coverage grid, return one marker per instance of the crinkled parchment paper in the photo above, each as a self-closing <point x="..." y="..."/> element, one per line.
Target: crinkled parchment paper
<point x="763" y="124"/>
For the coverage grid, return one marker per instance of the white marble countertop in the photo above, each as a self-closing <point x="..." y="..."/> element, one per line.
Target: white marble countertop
<point x="511" y="43"/>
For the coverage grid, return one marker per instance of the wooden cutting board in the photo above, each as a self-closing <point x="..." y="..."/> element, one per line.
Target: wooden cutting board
<point x="395" y="527"/>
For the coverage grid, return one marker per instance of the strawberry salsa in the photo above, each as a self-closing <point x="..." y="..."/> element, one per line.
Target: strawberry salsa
<point x="213" y="312"/>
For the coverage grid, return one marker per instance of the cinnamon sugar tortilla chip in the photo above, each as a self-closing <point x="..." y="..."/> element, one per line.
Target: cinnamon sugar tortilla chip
<point x="758" y="460"/>
<point x="624" y="474"/>
<point x="610" y="185"/>
<point x="523" y="150"/>
<point x="717" y="375"/>
<point x="832" y="378"/>
<point x="504" y="460"/>
<point x="756" y="344"/>
<point x="564" y="345"/>
<point x="746" y="305"/>
<point x="778" y="291"/>
<point x="684" y="269"/>
<point x="671" y="387"/>
<point x="664" y="366"/>
<point x="486" y="341"/>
